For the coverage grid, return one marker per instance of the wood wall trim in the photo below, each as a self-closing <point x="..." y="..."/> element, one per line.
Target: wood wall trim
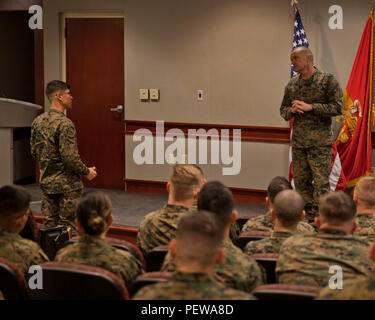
<point x="248" y="133"/>
<point x="18" y="5"/>
<point x="159" y="187"/>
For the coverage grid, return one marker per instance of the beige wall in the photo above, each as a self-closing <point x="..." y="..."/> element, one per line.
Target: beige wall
<point x="237" y="51"/>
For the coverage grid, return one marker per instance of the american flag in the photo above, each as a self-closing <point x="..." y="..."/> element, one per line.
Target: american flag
<point x="299" y="37"/>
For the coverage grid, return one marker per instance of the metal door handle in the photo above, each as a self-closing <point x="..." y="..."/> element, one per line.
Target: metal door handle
<point x="119" y="109"/>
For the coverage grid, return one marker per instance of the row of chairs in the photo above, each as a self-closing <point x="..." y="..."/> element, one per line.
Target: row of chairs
<point x="69" y="281"/>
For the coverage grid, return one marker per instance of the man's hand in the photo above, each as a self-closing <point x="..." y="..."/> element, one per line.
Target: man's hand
<point x="299" y="106"/>
<point x="92" y="174"/>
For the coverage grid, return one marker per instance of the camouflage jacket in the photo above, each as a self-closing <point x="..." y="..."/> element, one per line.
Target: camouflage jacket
<point x="190" y="286"/>
<point x="358" y="289"/>
<point x="54" y="144"/>
<point x="313" y="128"/>
<point x="159" y="227"/>
<point x="237" y="270"/>
<point x="268" y="245"/>
<point x="93" y="251"/>
<point x="22" y="252"/>
<point x="366" y="226"/>
<point x="265" y="223"/>
<point x="306" y="258"/>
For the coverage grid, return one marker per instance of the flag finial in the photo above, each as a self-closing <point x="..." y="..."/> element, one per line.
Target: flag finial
<point x="295" y="2"/>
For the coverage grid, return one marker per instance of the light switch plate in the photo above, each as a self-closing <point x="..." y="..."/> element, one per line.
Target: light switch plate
<point x="143" y="94"/>
<point x="154" y="93"/>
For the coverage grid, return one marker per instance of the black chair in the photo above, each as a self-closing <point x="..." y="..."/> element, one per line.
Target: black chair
<point x="147" y="279"/>
<point x="71" y="281"/>
<point x="268" y="262"/>
<point x="119" y="244"/>
<point x="285" y="292"/>
<point x="155" y="258"/>
<point x="246" y="237"/>
<point x="12" y="281"/>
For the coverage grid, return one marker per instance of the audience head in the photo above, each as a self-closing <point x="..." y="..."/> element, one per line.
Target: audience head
<point x="218" y="199"/>
<point x="204" y="181"/>
<point x="288" y="209"/>
<point x="201" y="228"/>
<point x="185" y="182"/>
<point x="94" y="213"/>
<point x="336" y="211"/>
<point x="14" y="207"/>
<point x="364" y="194"/>
<point x="276" y="185"/>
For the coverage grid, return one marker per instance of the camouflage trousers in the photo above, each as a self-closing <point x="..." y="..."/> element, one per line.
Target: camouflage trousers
<point x="60" y="209"/>
<point x="311" y="168"/>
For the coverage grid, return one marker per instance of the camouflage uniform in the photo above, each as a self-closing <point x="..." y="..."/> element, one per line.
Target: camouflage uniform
<point x="265" y="223"/>
<point x="159" y="227"/>
<point x="358" y="289"/>
<point x="312" y="136"/>
<point x="366" y="226"/>
<point x="93" y="251"/>
<point x="54" y="144"/>
<point x="268" y="245"/>
<point x="190" y="286"/>
<point x="306" y="258"/>
<point x="22" y="252"/>
<point x="237" y="270"/>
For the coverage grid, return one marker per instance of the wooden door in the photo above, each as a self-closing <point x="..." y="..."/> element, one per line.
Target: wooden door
<point x="95" y="72"/>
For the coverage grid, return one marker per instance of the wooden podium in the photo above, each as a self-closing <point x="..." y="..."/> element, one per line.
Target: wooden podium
<point x="13" y="114"/>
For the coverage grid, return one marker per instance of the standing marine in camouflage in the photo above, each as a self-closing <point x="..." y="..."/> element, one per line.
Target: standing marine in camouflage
<point x="236" y="270"/>
<point x="306" y="259"/>
<point x="265" y="222"/>
<point x="359" y="289"/>
<point x="159" y="227"/>
<point x="93" y="220"/>
<point x="311" y="98"/>
<point x="14" y="209"/>
<point x="287" y="210"/>
<point x="195" y="265"/>
<point x="364" y="197"/>
<point x="54" y="144"/>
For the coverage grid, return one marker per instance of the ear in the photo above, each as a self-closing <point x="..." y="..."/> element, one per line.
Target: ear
<point x="317" y="222"/>
<point x="204" y="181"/>
<point x="372" y="252"/>
<point x="355" y="197"/>
<point x="196" y="193"/>
<point x="110" y="220"/>
<point x="21" y="222"/>
<point x="268" y="202"/>
<point x="234" y="216"/>
<point x="168" y="187"/>
<point x="354" y="227"/>
<point x="220" y="256"/>
<point x="173" y="248"/>
<point x="303" y="214"/>
<point x="273" y="215"/>
<point x="79" y="226"/>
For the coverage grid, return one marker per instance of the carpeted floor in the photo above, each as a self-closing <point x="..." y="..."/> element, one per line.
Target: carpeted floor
<point x="129" y="208"/>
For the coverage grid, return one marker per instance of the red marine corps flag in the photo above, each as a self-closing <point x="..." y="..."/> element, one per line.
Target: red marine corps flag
<point x="354" y="141"/>
<point x="337" y="180"/>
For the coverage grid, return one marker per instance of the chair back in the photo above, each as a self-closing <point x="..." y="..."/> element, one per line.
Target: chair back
<point x="12" y="281"/>
<point x="285" y="292"/>
<point x="155" y="258"/>
<point x="71" y="281"/>
<point x="147" y="279"/>
<point x="268" y="262"/>
<point x="246" y="237"/>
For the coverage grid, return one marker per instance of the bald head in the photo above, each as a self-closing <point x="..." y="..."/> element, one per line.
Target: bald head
<point x="303" y="50"/>
<point x="364" y="192"/>
<point x="288" y="206"/>
<point x="302" y="59"/>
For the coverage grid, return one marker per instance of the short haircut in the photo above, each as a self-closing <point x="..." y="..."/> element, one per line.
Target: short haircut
<point x="277" y="185"/>
<point x="288" y="206"/>
<point x="337" y="206"/>
<point x="306" y="51"/>
<point x="93" y="212"/>
<point x="55" y="86"/>
<point x="185" y="179"/>
<point x="201" y="228"/>
<point x="365" y="189"/>
<point x="14" y="201"/>
<point x="218" y="199"/>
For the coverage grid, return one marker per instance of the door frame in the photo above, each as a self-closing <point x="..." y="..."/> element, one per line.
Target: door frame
<point x="84" y="14"/>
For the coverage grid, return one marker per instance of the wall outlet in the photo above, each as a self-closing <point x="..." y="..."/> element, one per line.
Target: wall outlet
<point x="143" y="94"/>
<point x="200" y="95"/>
<point x="154" y="93"/>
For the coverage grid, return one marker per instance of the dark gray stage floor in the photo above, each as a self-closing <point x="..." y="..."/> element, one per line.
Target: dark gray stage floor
<point x="129" y="208"/>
